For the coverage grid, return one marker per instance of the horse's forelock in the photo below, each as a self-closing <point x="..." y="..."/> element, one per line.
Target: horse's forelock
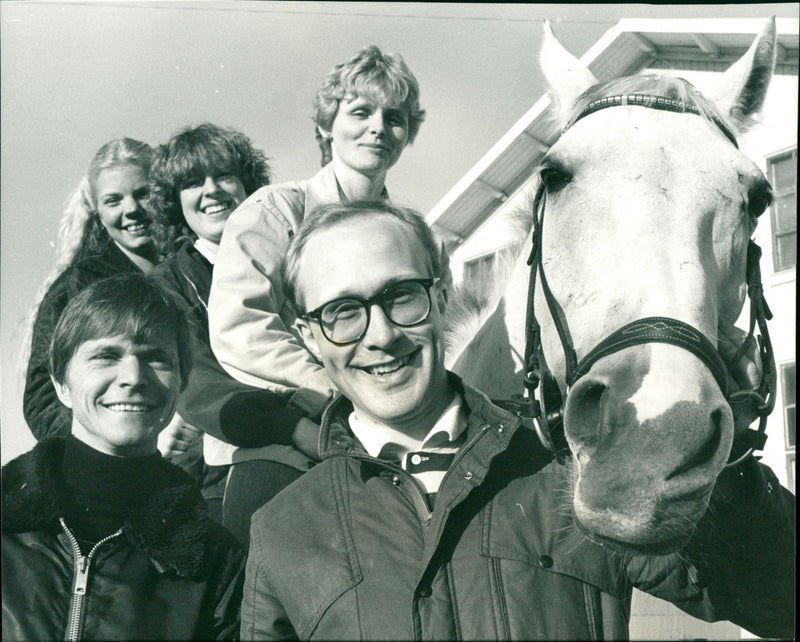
<point x="661" y="85"/>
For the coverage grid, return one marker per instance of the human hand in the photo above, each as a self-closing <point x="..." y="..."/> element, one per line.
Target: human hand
<point x="743" y="374"/>
<point x="746" y="372"/>
<point x="177" y="437"/>
<point x="306" y="438"/>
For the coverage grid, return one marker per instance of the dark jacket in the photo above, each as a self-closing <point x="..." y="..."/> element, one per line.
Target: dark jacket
<point x="45" y="414"/>
<point x="214" y="401"/>
<point x="170" y="573"/>
<point x="350" y="550"/>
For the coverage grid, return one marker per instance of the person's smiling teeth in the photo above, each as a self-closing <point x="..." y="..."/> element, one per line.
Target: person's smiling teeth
<point x="129" y="407"/>
<point x="390" y="366"/>
<point x="139" y="226"/>
<point x="216" y="209"/>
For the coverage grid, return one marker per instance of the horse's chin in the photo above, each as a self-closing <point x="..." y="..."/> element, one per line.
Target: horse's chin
<point x="636" y="546"/>
<point x="643" y="525"/>
<point x="640" y="516"/>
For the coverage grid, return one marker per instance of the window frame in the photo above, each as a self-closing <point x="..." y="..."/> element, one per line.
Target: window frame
<point x="780" y="193"/>
<point x="787" y="405"/>
<point x="789" y="447"/>
<point x="483" y="264"/>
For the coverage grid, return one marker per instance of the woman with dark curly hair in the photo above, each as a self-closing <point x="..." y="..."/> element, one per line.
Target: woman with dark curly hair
<point x="198" y="179"/>
<point x="200" y="176"/>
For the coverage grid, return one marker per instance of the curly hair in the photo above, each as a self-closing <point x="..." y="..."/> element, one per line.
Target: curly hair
<point x="191" y="154"/>
<point x="383" y="78"/>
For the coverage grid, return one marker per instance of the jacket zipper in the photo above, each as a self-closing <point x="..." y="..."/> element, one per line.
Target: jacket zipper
<point x="80" y="582"/>
<point x="197" y="293"/>
<point x="464" y="451"/>
<point x="418" y="497"/>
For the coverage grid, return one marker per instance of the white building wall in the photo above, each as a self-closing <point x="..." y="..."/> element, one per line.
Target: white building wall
<point x="494" y="234"/>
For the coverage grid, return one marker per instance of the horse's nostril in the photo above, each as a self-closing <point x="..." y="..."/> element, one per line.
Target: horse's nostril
<point x="584" y="414"/>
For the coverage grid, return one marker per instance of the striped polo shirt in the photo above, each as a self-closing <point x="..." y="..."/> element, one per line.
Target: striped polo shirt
<point x="427" y="460"/>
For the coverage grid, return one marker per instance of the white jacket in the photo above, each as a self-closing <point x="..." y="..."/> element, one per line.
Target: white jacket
<point x="250" y="322"/>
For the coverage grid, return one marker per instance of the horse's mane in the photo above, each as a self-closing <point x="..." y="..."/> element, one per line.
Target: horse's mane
<point x="661" y="85"/>
<point x="472" y="301"/>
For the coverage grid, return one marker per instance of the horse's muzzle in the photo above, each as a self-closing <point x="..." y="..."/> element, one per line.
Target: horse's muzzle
<point x="648" y="447"/>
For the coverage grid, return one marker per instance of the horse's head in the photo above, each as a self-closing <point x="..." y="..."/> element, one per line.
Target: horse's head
<point x="646" y="212"/>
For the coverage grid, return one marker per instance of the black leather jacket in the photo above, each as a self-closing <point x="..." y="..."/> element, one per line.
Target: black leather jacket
<point x="169" y="573"/>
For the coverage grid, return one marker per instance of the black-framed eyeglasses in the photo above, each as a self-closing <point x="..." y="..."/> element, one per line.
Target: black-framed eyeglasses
<point x="345" y="320"/>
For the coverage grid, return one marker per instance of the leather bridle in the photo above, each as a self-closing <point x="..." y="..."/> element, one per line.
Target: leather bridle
<point x="542" y="405"/>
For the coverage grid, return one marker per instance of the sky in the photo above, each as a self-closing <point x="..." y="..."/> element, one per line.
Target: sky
<point x="77" y="74"/>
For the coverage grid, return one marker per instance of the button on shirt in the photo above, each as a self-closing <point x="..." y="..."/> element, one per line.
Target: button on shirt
<point x="427" y="460"/>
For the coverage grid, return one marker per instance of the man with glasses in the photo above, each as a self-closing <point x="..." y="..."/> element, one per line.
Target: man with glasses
<point x="433" y="514"/>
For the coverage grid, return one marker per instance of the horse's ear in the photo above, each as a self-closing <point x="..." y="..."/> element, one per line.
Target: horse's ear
<point x="741" y="90"/>
<point x="567" y="76"/>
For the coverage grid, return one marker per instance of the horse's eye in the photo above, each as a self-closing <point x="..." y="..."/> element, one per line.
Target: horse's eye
<point x="554" y="177"/>
<point x="759" y="197"/>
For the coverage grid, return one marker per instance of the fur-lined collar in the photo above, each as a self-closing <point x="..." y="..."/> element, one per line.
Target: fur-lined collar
<point x="171" y="527"/>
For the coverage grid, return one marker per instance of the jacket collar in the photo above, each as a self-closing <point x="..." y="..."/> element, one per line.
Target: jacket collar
<point x="195" y="266"/>
<point x="323" y="188"/>
<point x="108" y="260"/>
<point x="336" y="438"/>
<point x="171" y="527"/>
<point x="186" y="273"/>
<point x="189" y="257"/>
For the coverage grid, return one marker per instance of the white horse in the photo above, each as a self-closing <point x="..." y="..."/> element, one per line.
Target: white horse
<point x="645" y="210"/>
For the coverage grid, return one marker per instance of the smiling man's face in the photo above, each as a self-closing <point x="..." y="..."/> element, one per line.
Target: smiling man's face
<point x="122" y="393"/>
<point x="394" y="375"/>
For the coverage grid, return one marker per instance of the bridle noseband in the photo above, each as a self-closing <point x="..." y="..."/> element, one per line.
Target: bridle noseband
<point x="542" y="406"/>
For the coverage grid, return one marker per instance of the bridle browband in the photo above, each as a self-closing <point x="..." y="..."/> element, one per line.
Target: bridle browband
<point x="653" y="102"/>
<point x="542" y="405"/>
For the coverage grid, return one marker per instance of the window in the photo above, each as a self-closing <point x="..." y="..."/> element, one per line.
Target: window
<point x="788" y="389"/>
<point x="782" y="171"/>
<point x="789" y="395"/>
<point x="479" y="271"/>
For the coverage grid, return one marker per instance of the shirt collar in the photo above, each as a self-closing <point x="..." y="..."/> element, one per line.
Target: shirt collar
<point x="206" y="250"/>
<point x="324" y="188"/>
<point x="375" y="435"/>
<point x="321" y="188"/>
